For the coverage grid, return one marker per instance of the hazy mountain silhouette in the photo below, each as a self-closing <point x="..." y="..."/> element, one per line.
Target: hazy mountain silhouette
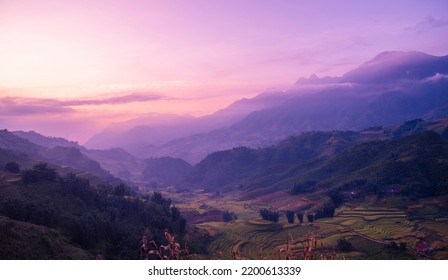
<point x="142" y="136"/>
<point x="59" y="156"/>
<point x="391" y="88"/>
<point x="45" y="141"/>
<point x="155" y="171"/>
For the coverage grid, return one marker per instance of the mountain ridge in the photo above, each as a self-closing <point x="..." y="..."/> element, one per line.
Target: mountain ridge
<point x="277" y="165"/>
<point x="390" y="88"/>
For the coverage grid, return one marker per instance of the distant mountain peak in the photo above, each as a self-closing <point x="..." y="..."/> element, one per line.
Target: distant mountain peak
<point x="399" y="57"/>
<point x="392" y="66"/>
<point x="315" y="80"/>
<point x="313" y="77"/>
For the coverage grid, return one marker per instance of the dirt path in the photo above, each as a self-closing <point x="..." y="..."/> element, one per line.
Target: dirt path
<point x="365" y="236"/>
<point x="377" y="240"/>
<point x="236" y="250"/>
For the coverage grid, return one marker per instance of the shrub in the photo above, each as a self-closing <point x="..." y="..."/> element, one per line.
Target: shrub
<point x="269" y="215"/>
<point x="290" y="216"/>
<point x="344" y="245"/>
<point x="12" y="167"/>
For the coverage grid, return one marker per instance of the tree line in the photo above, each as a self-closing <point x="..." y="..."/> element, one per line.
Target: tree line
<point x="104" y="219"/>
<point x="326" y="211"/>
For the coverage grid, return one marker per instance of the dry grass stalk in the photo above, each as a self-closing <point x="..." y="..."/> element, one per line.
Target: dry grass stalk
<point x="171" y="251"/>
<point x="287" y="251"/>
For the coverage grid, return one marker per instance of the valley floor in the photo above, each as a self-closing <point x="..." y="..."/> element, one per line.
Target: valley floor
<point x="383" y="228"/>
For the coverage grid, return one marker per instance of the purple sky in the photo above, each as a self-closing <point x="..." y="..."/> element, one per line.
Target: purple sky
<point x="65" y="64"/>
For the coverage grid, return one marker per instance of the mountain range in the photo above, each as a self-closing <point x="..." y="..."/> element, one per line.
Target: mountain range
<point x="27" y="153"/>
<point x="319" y="156"/>
<point x="391" y="88"/>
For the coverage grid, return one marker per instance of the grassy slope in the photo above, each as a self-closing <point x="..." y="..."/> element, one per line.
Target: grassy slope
<point x="301" y="158"/>
<point x="22" y="240"/>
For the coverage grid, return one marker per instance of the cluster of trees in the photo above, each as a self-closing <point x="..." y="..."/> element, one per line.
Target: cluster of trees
<point x="336" y="197"/>
<point x="402" y="246"/>
<point x="106" y="220"/>
<point x="39" y="172"/>
<point x="300" y="217"/>
<point x="30" y="212"/>
<point x="290" y="216"/>
<point x="229" y="216"/>
<point x="310" y="217"/>
<point x="326" y="211"/>
<point x="275" y="216"/>
<point x="268" y="215"/>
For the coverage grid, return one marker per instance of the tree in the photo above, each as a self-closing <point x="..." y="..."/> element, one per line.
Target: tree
<point x="269" y="215"/>
<point x="159" y="199"/>
<point x="310" y="217"/>
<point x="300" y="217"/>
<point x="45" y="173"/>
<point x="120" y="189"/>
<point x="229" y="216"/>
<point x="12" y="167"/>
<point x="327" y="211"/>
<point x="336" y="197"/>
<point x="290" y="216"/>
<point x="403" y="246"/>
<point x="344" y="245"/>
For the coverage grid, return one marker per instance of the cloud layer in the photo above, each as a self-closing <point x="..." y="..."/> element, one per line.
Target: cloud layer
<point x="428" y="23"/>
<point x="17" y="106"/>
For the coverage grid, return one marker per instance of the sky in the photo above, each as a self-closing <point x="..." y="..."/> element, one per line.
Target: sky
<point x="69" y="68"/>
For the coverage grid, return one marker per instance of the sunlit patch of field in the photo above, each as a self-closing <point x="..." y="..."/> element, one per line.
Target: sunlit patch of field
<point x="284" y="201"/>
<point x="202" y="202"/>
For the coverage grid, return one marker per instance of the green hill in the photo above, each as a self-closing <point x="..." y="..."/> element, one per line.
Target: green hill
<point x="59" y="156"/>
<point x="415" y="164"/>
<point x="69" y="217"/>
<point x="22" y="240"/>
<point x="378" y="156"/>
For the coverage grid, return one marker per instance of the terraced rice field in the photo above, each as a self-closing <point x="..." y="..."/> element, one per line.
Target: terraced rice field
<point x="370" y="227"/>
<point x="256" y="239"/>
<point x="381" y="225"/>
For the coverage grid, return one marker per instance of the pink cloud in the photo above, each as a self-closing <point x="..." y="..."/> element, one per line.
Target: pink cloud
<point x="16" y="106"/>
<point x="129" y="98"/>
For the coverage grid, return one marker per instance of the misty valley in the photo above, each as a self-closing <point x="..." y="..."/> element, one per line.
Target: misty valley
<point x="349" y="167"/>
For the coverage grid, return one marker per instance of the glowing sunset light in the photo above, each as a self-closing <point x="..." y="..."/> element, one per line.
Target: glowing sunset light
<point x="84" y="64"/>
